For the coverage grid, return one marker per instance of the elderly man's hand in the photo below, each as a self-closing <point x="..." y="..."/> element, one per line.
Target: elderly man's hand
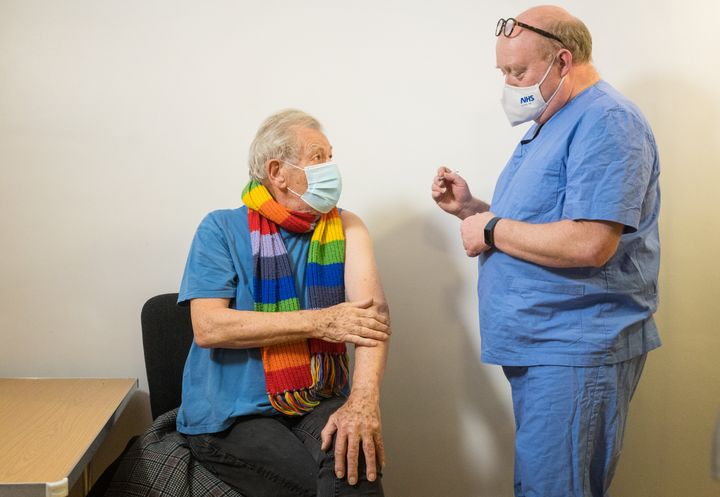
<point x="358" y="322"/>
<point x="356" y="425"/>
<point x="472" y="230"/>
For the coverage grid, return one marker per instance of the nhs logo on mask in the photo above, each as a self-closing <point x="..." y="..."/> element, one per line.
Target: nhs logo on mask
<point x="527" y="100"/>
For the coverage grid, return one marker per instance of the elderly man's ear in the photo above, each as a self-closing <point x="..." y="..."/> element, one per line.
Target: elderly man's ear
<point x="274" y="174"/>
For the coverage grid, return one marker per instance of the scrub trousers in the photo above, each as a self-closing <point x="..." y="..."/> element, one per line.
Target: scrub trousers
<point x="280" y="456"/>
<point x="569" y="426"/>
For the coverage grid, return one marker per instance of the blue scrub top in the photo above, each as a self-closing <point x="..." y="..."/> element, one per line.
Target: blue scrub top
<point x="595" y="159"/>
<point x="221" y="384"/>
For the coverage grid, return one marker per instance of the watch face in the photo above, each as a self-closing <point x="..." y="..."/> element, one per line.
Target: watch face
<point x="489" y="231"/>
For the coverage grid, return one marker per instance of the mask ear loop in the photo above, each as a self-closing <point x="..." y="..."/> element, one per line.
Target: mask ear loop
<point x="547" y="71"/>
<point x="291" y="164"/>
<point x="545" y="77"/>
<point x="296" y="167"/>
<point x="556" y="90"/>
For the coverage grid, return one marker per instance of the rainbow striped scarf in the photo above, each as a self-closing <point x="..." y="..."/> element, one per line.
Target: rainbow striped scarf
<point x="297" y="374"/>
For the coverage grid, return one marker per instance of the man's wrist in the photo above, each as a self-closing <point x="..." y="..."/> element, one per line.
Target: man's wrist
<point x="308" y="323"/>
<point x="366" y="392"/>
<point x="474" y="206"/>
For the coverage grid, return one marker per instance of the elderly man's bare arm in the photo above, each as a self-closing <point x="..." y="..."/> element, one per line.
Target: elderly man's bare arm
<point x="357" y="424"/>
<point x="215" y="325"/>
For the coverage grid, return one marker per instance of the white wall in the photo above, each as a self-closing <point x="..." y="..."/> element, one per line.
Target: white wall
<point x="123" y="123"/>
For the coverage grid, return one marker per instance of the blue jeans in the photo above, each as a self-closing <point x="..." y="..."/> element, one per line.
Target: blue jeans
<point x="277" y="456"/>
<point x="570" y="423"/>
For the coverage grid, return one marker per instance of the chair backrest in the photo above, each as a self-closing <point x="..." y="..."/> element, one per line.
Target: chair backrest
<point x="167" y="336"/>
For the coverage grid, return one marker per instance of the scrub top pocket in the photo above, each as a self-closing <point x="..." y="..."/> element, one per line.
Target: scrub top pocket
<point x="535" y="188"/>
<point x="543" y="313"/>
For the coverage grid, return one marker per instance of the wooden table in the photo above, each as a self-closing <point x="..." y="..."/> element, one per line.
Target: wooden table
<point x="50" y="428"/>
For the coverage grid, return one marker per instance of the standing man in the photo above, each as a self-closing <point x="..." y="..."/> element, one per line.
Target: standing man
<point x="569" y="255"/>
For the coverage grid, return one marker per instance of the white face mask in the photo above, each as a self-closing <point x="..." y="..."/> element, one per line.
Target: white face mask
<point x="324" y="186"/>
<point x="526" y="103"/>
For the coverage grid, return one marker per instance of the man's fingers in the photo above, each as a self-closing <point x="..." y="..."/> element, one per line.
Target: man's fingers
<point x="360" y="323"/>
<point x="368" y="333"/>
<point x="353" y="452"/>
<point x="369" y="318"/>
<point x="361" y="341"/>
<point x="370" y="461"/>
<point x="375" y="333"/>
<point x="375" y="330"/>
<point x="380" y="336"/>
<point x="340" y="452"/>
<point x="327" y="433"/>
<point x="374" y="324"/>
<point x="380" y="450"/>
<point x="453" y="178"/>
<point x="371" y="313"/>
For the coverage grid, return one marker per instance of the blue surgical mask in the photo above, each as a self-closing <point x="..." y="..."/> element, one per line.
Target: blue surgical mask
<point x="324" y="186"/>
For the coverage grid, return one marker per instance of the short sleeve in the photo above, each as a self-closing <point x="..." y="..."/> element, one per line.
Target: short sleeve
<point x="609" y="168"/>
<point x="209" y="271"/>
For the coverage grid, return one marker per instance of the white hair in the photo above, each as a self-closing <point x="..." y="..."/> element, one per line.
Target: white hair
<point x="276" y="139"/>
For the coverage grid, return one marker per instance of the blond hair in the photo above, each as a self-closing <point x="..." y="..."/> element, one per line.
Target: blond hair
<point x="575" y="36"/>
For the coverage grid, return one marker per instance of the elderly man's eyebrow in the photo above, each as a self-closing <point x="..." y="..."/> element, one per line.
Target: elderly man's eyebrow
<point x="315" y="147"/>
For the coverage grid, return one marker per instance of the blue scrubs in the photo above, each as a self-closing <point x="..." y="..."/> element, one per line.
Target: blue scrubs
<point x="569" y="426"/>
<point x="595" y="159"/>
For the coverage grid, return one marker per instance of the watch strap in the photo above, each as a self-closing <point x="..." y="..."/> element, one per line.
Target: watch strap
<point x="490" y="231"/>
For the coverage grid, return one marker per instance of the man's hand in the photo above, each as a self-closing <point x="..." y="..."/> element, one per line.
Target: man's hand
<point x="472" y="230"/>
<point x="451" y="192"/>
<point x="356" y="424"/>
<point x="352" y="322"/>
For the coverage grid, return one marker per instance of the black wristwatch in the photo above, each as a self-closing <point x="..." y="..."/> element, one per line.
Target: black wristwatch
<point x="490" y="231"/>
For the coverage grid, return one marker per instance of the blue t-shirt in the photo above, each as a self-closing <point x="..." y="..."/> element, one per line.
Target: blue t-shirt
<point x="595" y="159"/>
<point x="221" y="384"/>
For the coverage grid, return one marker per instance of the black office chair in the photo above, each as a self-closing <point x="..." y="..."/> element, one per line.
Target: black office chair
<point x="159" y="462"/>
<point x="167" y="335"/>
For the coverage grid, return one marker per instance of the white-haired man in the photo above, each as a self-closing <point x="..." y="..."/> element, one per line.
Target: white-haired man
<point x="569" y="255"/>
<point x="276" y="289"/>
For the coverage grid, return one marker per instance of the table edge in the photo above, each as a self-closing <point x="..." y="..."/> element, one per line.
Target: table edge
<point x="62" y="487"/>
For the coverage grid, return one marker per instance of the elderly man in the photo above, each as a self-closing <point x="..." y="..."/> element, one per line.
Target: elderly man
<point x="265" y="387"/>
<point x="569" y="255"/>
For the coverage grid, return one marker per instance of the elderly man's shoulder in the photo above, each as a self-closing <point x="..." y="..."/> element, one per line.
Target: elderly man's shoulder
<point x="226" y="218"/>
<point x="352" y="223"/>
<point x="350" y="218"/>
